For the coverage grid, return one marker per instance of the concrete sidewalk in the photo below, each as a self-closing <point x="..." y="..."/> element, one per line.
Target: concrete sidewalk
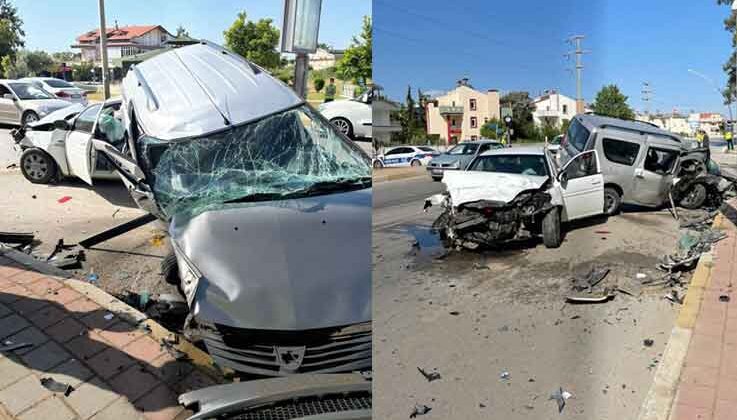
<point x="707" y="386"/>
<point x="85" y="338"/>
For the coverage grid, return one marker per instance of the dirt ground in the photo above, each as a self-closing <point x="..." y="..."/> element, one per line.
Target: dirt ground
<point x="475" y="315"/>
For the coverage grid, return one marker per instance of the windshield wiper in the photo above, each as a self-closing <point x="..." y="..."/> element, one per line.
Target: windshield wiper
<point x="250" y="198"/>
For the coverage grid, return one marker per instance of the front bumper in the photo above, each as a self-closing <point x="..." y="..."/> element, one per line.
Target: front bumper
<point x="438" y="170"/>
<point x="282" y="353"/>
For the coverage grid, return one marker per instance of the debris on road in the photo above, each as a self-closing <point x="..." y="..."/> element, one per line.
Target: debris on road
<point x="560" y="396"/>
<point x="60" y="246"/>
<point x="64" y="199"/>
<point x="648" y="342"/>
<point x="419" y="410"/>
<point x="431" y="376"/>
<point x="724" y="298"/>
<point x="505" y="376"/>
<point x="641" y="276"/>
<point x="674" y="297"/>
<point x="55" y="386"/>
<point x="20" y="239"/>
<point x="69" y="260"/>
<point x="590" y="280"/>
<point x="93" y="278"/>
<point x="10" y="346"/>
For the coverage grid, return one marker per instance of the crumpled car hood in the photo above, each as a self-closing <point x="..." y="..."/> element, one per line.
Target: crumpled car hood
<point x="468" y="186"/>
<point x="282" y="265"/>
<point x="59" y="114"/>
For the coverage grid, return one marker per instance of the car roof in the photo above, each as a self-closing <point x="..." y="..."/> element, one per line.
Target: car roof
<point x="522" y="150"/>
<point x="604" y="122"/>
<point x="200" y="89"/>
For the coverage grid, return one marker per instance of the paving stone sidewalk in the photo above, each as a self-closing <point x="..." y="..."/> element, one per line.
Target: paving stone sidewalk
<point x="707" y="387"/>
<point x="118" y="371"/>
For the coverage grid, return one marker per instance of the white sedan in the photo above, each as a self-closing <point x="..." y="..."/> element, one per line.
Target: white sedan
<point x="61" y="88"/>
<point x="405" y="156"/>
<point x="351" y="116"/>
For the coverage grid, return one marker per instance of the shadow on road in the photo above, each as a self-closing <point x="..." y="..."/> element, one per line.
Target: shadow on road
<point x="113" y="191"/>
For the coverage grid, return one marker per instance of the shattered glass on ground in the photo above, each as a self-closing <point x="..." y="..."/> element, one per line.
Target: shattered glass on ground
<point x="287" y="155"/>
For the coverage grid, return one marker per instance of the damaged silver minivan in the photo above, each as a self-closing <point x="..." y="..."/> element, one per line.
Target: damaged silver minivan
<point x="268" y="209"/>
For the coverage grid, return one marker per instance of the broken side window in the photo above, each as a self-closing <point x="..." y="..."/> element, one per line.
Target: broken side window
<point x="660" y="161"/>
<point x="619" y="151"/>
<point x="286" y="155"/>
<point x="583" y="165"/>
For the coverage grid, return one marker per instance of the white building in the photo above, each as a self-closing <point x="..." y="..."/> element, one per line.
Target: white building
<point x="324" y="59"/>
<point x="675" y="123"/>
<point x="122" y="41"/>
<point x="553" y="107"/>
<point x="711" y="122"/>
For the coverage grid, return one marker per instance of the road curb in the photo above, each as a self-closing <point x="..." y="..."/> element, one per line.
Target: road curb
<point x="198" y="358"/>
<point x="659" y="399"/>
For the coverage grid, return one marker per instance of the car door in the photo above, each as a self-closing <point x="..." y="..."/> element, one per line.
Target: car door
<point x="654" y="175"/>
<point x="398" y="156"/>
<point x="582" y="186"/>
<point x="9" y="111"/>
<point x="79" y="150"/>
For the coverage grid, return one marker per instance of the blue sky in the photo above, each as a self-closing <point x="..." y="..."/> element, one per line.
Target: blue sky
<point x="518" y="45"/>
<point x="53" y="25"/>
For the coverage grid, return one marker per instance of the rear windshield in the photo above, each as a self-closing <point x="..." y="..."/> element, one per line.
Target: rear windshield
<point x="577" y="135"/>
<point x="511" y="164"/>
<point x="464" y="149"/>
<point x="56" y="83"/>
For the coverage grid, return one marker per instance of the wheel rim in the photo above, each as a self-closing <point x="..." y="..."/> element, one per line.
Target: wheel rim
<point x="36" y="166"/>
<point x="694" y="194"/>
<point x="609" y="203"/>
<point x="342" y="126"/>
<point x="30" y="117"/>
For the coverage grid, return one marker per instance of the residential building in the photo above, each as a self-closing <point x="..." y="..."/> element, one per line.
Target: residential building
<point x="711" y="122"/>
<point x="553" y="108"/>
<point x="675" y="123"/>
<point x="122" y="41"/>
<point x="459" y="114"/>
<point x="324" y="59"/>
<point x="382" y="124"/>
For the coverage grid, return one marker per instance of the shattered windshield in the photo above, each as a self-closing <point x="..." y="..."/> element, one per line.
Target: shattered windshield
<point x="511" y="164"/>
<point x="294" y="153"/>
<point x="464" y="149"/>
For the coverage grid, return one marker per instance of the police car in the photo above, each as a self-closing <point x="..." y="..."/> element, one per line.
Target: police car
<point x="405" y="156"/>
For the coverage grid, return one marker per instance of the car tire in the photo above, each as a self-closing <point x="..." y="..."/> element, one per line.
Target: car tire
<point x="344" y="126"/>
<point x="437" y="178"/>
<point x="551" y="228"/>
<point x="28" y="117"/>
<point x="415" y="163"/>
<point x="170" y="269"/>
<point x="612" y="201"/>
<point x="377" y="164"/>
<point x="37" y="166"/>
<point x="695" y="197"/>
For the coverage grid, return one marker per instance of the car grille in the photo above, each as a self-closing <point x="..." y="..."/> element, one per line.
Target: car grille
<point x="304" y="407"/>
<point x="446" y="165"/>
<point x="324" y="351"/>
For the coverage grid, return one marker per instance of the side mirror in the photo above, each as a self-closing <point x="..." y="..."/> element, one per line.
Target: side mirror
<point x="9" y="96"/>
<point x="61" y="125"/>
<point x="563" y="177"/>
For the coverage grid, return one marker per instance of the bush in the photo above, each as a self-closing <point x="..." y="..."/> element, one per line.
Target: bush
<point x="319" y="84"/>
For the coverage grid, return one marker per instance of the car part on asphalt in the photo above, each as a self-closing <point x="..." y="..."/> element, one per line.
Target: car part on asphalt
<point x="674" y="297"/>
<point x="430" y="376"/>
<point x="588" y="281"/>
<point x="648" y="342"/>
<point x="560" y="396"/>
<point x="55" y="386"/>
<point x="334" y="396"/>
<point x="724" y="298"/>
<point x="601" y="297"/>
<point x="18" y="238"/>
<point x="60" y="246"/>
<point x="419" y="410"/>
<point x="68" y="259"/>
<point x="117" y="231"/>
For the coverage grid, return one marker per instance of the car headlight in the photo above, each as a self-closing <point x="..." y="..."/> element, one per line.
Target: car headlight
<point x="455" y="165"/>
<point x="41" y="111"/>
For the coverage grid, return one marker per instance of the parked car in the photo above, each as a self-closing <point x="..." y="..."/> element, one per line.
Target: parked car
<point x="268" y="207"/>
<point x="405" y="156"/>
<point x="22" y="103"/>
<point x="458" y="157"/>
<point x="61" y="88"/>
<point x="49" y="144"/>
<point x="640" y="161"/>
<point x="351" y="116"/>
<point x="507" y="192"/>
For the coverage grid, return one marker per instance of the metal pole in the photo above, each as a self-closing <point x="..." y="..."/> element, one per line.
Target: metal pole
<point x="300" y="75"/>
<point x="103" y="51"/>
<point x="579" y="69"/>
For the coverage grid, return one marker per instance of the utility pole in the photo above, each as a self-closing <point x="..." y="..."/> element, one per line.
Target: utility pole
<point x="578" y="52"/>
<point x="300" y="74"/>
<point x="646" y="92"/>
<point x="103" y="51"/>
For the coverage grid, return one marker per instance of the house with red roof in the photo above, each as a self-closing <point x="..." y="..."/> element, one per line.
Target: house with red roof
<point x="122" y="41"/>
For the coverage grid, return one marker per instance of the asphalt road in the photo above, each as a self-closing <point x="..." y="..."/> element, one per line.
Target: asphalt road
<point x="128" y="262"/>
<point x="475" y="315"/>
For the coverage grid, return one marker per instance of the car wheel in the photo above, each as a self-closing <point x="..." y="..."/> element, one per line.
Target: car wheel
<point x="415" y="163"/>
<point x="695" y="197"/>
<point x="551" y="228"/>
<point x="612" y="201"/>
<point x="378" y="164"/>
<point x="170" y="269"/>
<point x="437" y="178"/>
<point x="28" y="117"/>
<point x="37" y="166"/>
<point x="344" y="126"/>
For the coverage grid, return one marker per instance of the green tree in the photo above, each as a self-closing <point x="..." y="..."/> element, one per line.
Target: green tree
<point x="11" y="29"/>
<point x="37" y="62"/>
<point x="356" y="62"/>
<point x="490" y="128"/>
<point x="82" y="71"/>
<point x="182" y="31"/>
<point x="319" y="84"/>
<point x="256" y="41"/>
<point x="730" y="23"/>
<point x="324" y="46"/>
<point x="522" y="108"/>
<point x="63" y="57"/>
<point x="6" y="65"/>
<point x="612" y="103"/>
<point x="564" y="125"/>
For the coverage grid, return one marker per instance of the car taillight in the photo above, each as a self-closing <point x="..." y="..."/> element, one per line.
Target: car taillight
<point x="62" y="94"/>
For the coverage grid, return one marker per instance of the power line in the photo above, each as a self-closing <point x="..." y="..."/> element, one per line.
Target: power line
<point x="578" y="52"/>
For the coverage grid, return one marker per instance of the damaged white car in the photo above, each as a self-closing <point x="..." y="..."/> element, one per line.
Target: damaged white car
<point x="268" y="208"/>
<point x="513" y="193"/>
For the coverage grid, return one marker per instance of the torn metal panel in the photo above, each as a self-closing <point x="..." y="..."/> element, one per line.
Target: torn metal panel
<point x="253" y="397"/>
